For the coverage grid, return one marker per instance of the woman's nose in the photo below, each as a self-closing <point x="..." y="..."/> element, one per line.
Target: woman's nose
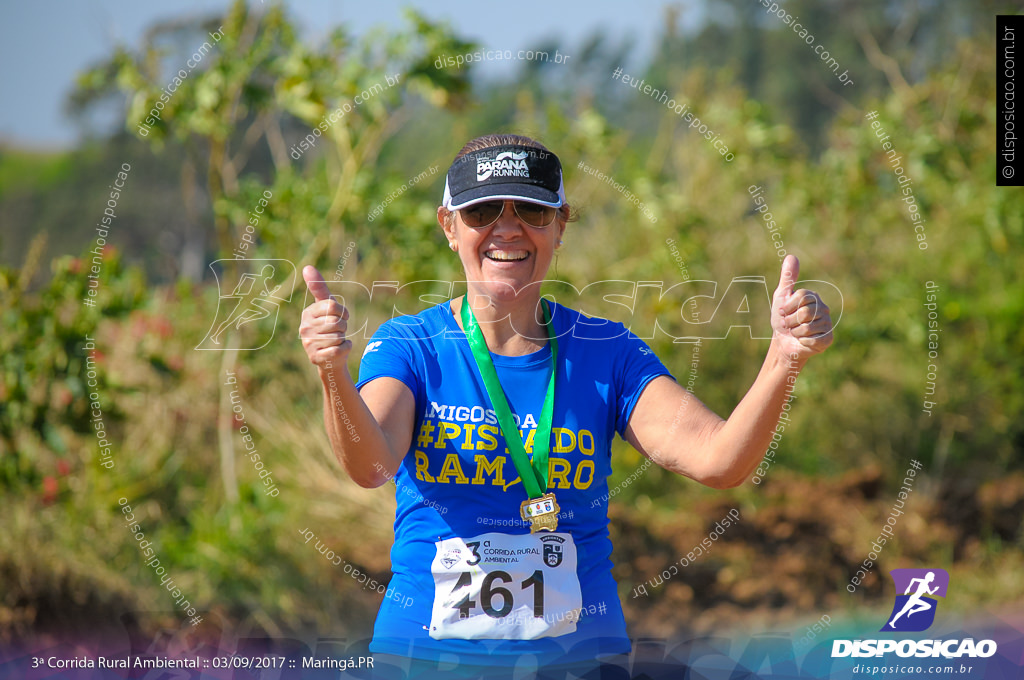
<point x="508" y="221"/>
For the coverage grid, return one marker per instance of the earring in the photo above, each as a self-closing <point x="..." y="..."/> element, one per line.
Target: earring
<point x="454" y="246"/>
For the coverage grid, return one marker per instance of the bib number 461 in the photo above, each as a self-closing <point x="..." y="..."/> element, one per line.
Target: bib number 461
<point x="489" y="591"/>
<point x="505" y="587"/>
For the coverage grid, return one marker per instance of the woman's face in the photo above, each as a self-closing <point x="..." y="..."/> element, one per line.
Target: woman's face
<point x="503" y="259"/>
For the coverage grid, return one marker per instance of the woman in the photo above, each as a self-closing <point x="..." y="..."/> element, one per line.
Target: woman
<point x="494" y="414"/>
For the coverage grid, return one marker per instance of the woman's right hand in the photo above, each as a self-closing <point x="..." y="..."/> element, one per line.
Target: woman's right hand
<point x="323" y="325"/>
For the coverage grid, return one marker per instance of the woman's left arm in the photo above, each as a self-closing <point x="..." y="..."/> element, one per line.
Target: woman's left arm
<point x="674" y="429"/>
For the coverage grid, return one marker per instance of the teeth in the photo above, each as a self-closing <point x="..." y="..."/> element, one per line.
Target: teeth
<point x="506" y="255"/>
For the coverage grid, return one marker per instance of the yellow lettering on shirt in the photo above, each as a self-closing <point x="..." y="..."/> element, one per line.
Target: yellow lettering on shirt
<point x="421" y="467"/>
<point x="586" y="442"/>
<point x="529" y="441"/>
<point x="446" y="431"/>
<point x="488" y="443"/>
<point x="483" y="437"/>
<point x="426" y="434"/>
<point x="495" y="467"/>
<point x="452" y="467"/>
<point x="562" y="444"/>
<point x="468" y="430"/>
<point x="584" y="465"/>
<point x="558" y="471"/>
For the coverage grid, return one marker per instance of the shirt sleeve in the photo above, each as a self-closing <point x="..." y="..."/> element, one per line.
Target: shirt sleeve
<point x="637" y="365"/>
<point x="389" y="354"/>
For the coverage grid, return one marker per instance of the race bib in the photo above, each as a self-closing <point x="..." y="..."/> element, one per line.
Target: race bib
<point x="501" y="587"/>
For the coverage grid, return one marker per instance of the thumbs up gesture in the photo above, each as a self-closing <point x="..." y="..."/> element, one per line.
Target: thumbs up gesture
<point x="800" y="320"/>
<point x="324" y="323"/>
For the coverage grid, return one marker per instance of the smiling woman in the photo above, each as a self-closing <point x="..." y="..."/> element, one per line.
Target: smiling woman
<point x="502" y="407"/>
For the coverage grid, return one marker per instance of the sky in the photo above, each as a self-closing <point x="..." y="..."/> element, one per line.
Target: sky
<point x="45" y="43"/>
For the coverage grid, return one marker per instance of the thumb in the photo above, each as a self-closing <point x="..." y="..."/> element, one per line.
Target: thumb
<point x="315" y="282"/>
<point x="790" y="270"/>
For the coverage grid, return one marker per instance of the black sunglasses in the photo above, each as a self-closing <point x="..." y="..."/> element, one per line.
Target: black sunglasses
<point x="485" y="214"/>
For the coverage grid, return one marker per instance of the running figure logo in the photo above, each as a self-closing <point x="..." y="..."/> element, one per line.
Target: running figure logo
<point x="253" y="298"/>
<point x="914" y="610"/>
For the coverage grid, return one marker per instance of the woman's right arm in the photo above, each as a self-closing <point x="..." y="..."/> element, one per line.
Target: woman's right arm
<point x="370" y="431"/>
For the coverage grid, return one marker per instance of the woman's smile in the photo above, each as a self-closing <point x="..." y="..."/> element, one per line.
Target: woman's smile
<point x="506" y="255"/>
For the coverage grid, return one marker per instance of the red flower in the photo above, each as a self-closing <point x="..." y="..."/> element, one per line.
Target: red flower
<point x="163" y="327"/>
<point x="50" y="489"/>
<point x="139" y="325"/>
<point x="64" y="396"/>
<point x="63" y="468"/>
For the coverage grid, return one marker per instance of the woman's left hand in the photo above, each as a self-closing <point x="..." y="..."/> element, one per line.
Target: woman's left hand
<point x="800" y="320"/>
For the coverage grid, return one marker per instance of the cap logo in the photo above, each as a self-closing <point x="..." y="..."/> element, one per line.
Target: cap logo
<point x="505" y="164"/>
<point x="508" y="171"/>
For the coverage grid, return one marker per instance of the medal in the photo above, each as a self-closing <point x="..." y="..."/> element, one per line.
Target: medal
<point x="540" y="508"/>
<point x="541" y="512"/>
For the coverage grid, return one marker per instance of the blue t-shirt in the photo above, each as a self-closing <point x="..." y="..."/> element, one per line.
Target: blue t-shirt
<point x="458" y="480"/>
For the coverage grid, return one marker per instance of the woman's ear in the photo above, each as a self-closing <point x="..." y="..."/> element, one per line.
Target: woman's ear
<point x="565" y="215"/>
<point x="447" y="221"/>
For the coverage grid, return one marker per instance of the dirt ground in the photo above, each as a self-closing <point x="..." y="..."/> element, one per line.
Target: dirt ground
<point x="790" y="560"/>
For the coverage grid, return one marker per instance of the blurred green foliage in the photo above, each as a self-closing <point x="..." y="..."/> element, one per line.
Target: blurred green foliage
<point x="229" y="133"/>
<point x="44" y="332"/>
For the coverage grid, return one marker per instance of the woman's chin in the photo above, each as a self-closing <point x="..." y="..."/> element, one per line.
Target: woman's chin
<point x="507" y="288"/>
